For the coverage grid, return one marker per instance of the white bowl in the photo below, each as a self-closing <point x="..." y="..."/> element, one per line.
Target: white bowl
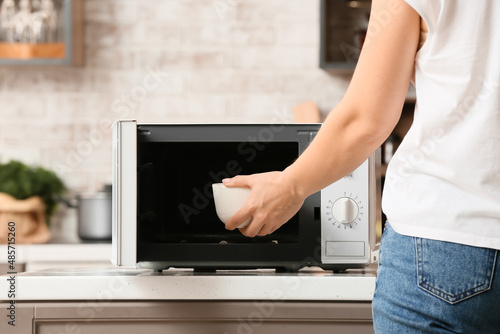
<point x="228" y="200"/>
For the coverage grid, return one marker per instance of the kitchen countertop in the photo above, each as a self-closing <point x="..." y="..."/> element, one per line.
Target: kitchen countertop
<point x="56" y="252"/>
<point x="310" y="284"/>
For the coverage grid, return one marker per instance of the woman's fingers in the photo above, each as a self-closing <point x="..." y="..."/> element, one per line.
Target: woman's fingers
<point x="238" y="181"/>
<point x="241" y="216"/>
<point x="272" y="202"/>
<point x="243" y="213"/>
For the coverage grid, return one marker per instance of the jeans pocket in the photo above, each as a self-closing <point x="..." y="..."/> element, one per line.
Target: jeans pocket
<point x="454" y="272"/>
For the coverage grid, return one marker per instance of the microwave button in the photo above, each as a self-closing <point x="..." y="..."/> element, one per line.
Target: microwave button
<point x="345" y="248"/>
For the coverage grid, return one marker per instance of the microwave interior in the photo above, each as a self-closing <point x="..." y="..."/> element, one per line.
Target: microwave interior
<point x="175" y="199"/>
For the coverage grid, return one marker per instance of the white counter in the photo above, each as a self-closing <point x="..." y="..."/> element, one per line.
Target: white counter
<point x="58" y="255"/>
<point x="59" y="252"/>
<point x="176" y="284"/>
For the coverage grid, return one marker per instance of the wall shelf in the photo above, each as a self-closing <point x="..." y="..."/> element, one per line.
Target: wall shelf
<point x="30" y="51"/>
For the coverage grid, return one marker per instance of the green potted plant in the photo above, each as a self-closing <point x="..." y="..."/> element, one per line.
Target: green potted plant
<point x="28" y="198"/>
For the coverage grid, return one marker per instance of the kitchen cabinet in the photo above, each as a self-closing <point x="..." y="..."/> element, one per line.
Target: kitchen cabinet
<point x="182" y="301"/>
<point x="42" y="32"/>
<point x="188" y="317"/>
<point x="343" y="26"/>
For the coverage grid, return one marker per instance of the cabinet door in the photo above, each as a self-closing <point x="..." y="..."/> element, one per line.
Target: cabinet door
<point x="259" y="317"/>
<point x="204" y="327"/>
<point x="343" y="27"/>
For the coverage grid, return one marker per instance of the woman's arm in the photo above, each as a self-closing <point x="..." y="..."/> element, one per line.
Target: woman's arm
<point x="355" y="128"/>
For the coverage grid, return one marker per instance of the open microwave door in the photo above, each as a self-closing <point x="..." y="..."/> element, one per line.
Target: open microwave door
<point x="124" y="209"/>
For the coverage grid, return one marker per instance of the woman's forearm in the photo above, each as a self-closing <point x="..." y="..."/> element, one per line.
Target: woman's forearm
<point x="371" y="108"/>
<point x="353" y="130"/>
<point x="342" y="144"/>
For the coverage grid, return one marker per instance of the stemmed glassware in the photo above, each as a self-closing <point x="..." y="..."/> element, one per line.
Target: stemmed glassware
<point x="28" y="21"/>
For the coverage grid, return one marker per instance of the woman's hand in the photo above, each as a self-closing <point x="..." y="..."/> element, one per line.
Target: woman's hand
<point x="272" y="202"/>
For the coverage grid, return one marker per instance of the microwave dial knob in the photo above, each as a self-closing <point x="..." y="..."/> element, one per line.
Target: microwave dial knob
<point x="345" y="210"/>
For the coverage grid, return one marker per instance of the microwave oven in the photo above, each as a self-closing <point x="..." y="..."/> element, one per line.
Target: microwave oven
<point x="164" y="215"/>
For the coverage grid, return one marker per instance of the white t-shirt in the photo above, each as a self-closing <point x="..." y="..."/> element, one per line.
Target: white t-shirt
<point x="443" y="183"/>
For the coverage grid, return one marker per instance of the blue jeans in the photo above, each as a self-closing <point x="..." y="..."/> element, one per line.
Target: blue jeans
<point x="429" y="286"/>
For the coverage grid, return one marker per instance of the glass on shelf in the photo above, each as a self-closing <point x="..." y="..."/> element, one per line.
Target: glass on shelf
<point x="30" y="29"/>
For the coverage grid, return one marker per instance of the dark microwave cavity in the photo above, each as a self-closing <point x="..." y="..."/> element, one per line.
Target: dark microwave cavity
<point x="175" y="199"/>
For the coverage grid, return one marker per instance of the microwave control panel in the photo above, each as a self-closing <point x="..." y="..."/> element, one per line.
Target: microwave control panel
<point x="345" y="218"/>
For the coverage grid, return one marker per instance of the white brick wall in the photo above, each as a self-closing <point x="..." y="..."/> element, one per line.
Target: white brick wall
<point x="164" y="61"/>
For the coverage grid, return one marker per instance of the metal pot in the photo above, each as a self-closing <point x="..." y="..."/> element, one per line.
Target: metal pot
<point x="94" y="215"/>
